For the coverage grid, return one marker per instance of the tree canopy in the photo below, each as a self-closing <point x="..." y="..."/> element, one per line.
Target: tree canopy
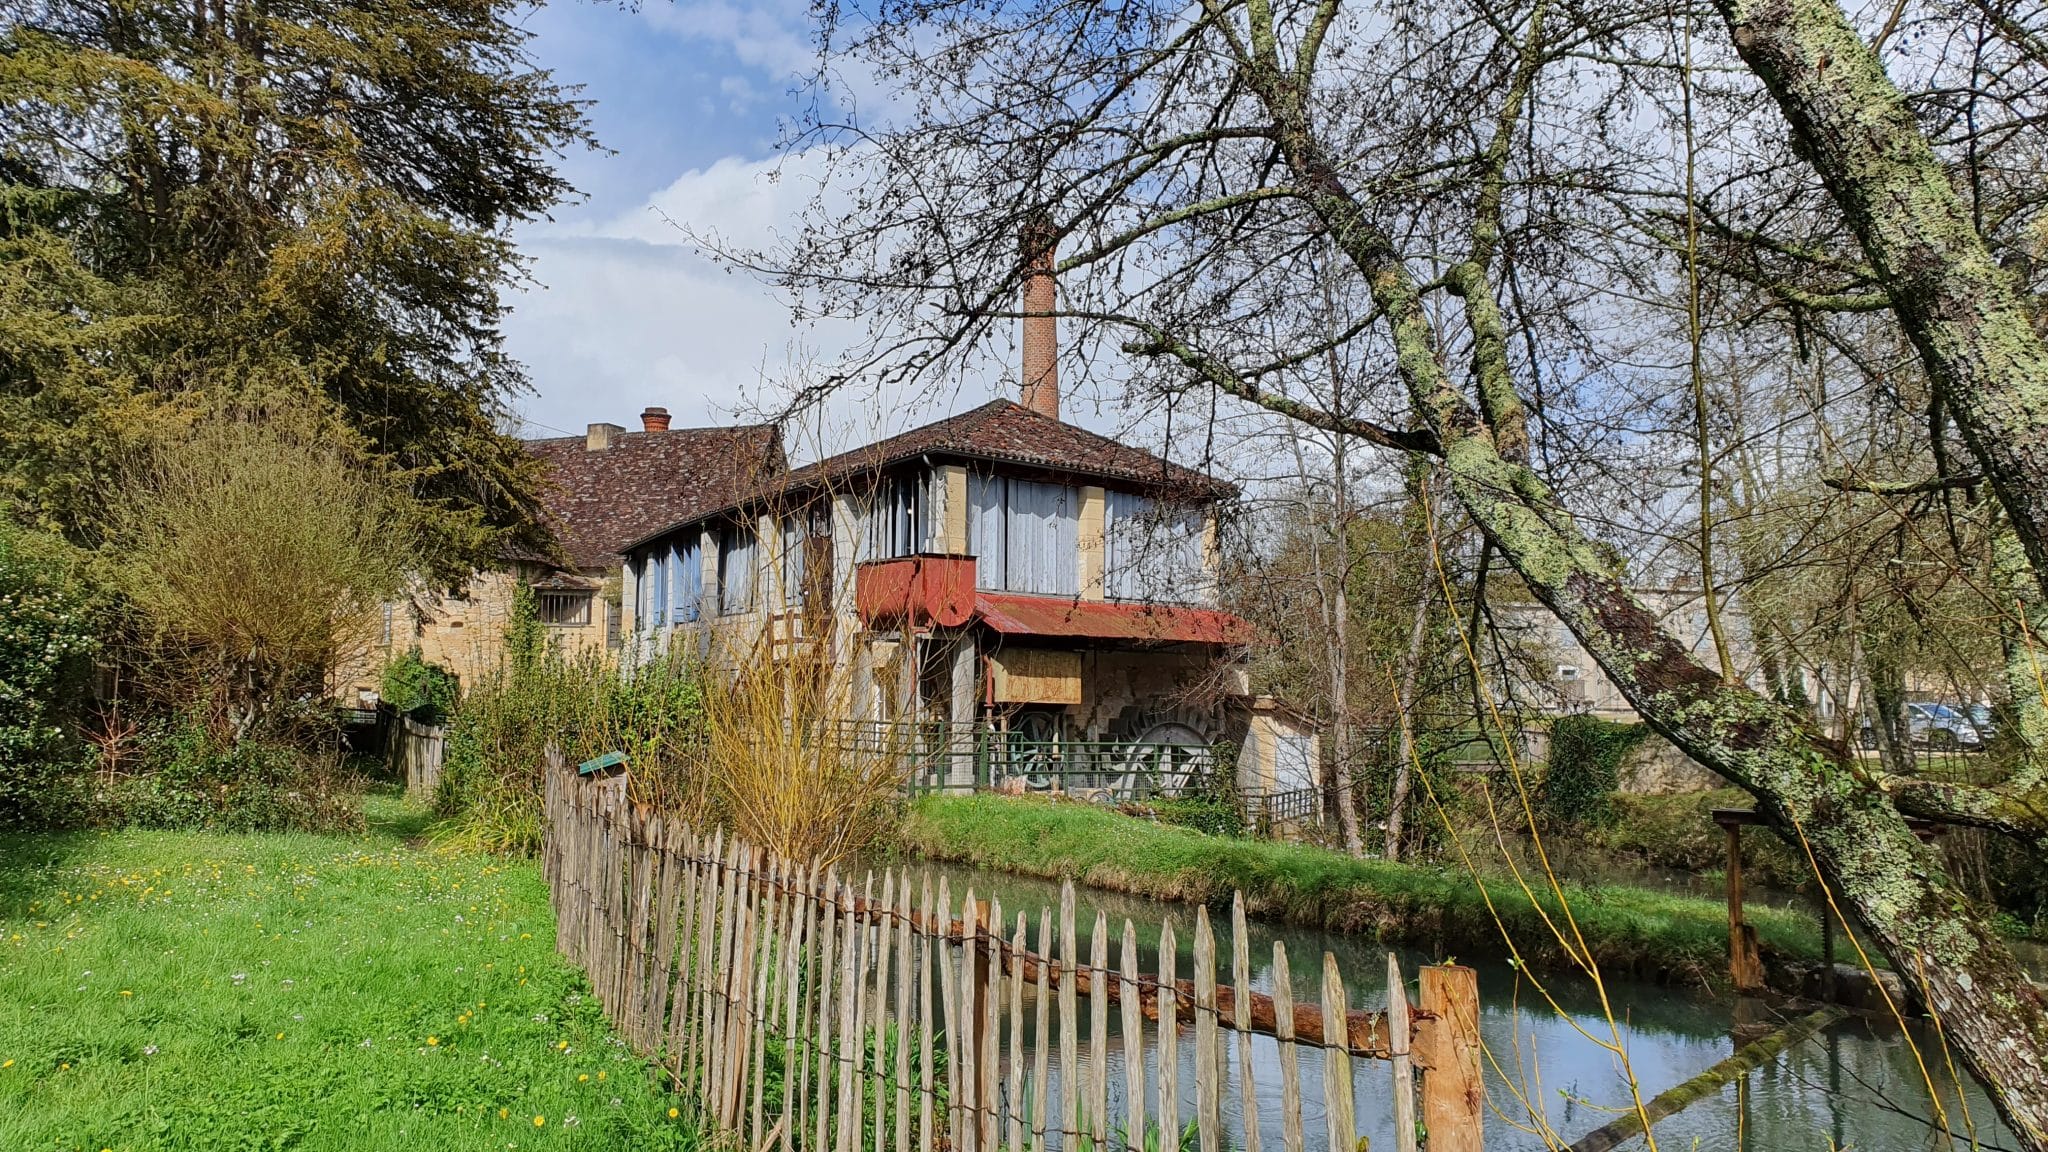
<point x="246" y="207"/>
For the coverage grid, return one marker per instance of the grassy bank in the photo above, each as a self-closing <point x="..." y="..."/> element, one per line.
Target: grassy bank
<point x="1630" y="931"/>
<point x="197" y="991"/>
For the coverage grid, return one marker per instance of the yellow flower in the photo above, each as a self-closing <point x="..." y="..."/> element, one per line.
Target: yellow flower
<point x="561" y="1045"/>
<point x="672" y="1113"/>
<point x="539" y="1120"/>
<point x="126" y="992"/>
<point x="433" y="1041"/>
<point x="280" y="1035"/>
<point x="504" y="1112"/>
<point x="582" y="1078"/>
<point x="8" y="1064"/>
<point x="600" y="1075"/>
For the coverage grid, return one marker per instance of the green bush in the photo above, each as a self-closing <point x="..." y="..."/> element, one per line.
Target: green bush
<point x="189" y="778"/>
<point x="491" y="781"/>
<point x="1585" y="767"/>
<point x="426" y="692"/>
<point x="46" y="637"/>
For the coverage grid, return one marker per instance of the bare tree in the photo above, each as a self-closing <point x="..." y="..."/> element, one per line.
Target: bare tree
<point x="1490" y="175"/>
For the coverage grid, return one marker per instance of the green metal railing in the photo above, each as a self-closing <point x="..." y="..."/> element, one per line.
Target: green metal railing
<point x="940" y="756"/>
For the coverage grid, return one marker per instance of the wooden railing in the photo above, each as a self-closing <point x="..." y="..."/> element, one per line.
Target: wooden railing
<point x="795" y="1012"/>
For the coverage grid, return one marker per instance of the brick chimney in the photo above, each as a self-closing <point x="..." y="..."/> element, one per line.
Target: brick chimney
<point x="654" y="420"/>
<point x="600" y="436"/>
<point x="1041" y="333"/>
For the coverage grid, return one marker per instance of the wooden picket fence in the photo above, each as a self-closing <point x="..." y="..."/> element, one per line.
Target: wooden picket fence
<point x="416" y="750"/>
<point x="797" y="1013"/>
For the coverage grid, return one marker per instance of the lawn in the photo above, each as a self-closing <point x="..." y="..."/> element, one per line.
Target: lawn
<point x="1629" y="931"/>
<point x="194" y="991"/>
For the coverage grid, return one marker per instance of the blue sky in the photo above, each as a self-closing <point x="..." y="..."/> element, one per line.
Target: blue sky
<point x="621" y="315"/>
<point x="688" y="98"/>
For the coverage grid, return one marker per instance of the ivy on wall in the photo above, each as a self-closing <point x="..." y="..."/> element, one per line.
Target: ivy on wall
<point x="1586" y="754"/>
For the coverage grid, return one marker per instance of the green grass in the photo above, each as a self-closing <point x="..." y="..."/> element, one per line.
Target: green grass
<point x="1629" y="931"/>
<point x="196" y="991"/>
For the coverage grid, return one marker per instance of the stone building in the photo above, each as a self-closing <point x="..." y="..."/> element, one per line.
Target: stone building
<point x="604" y="489"/>
<point x="1022" y="599"/>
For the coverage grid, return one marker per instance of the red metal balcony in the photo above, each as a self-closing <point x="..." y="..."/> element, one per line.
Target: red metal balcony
<point x="911" y="591"/>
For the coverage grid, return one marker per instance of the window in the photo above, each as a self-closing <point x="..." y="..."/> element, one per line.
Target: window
<point x="566" y="609"/>
<point x="1026" y="535"/>
<point x="899" y="519"/>
<point x="738" y="556"/>
<point x="1152" y="553"/>
<point x="686" y="581"/>
<point x="654" y="580"/>
<point x="792" y="560"/>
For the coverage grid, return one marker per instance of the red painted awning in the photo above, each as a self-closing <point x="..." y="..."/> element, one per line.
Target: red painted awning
<point x="1015" y="615"/>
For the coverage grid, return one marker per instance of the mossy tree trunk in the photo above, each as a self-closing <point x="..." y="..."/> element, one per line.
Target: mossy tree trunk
<point x="1958" y="306"/>
<point x="1878" y="869"/>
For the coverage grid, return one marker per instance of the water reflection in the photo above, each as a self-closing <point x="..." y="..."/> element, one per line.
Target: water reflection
<point x="1856" y="1085"/>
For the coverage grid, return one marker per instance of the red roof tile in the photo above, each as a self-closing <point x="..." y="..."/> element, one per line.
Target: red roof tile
<point x="1007" y="432"/>
<point x="601" y="501"/>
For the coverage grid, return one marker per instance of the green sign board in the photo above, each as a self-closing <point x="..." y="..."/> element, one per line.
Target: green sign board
<point x="608" y="760"/>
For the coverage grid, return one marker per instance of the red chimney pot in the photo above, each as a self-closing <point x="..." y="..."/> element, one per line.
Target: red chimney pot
<point x="654" y="420"/>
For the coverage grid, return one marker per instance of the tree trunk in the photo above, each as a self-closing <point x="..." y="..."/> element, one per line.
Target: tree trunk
<point x="1957" y="305"/>
<point x="1343" y="748"/>
<point x="1411" y="664"/>
<point x="1877" y="868"/>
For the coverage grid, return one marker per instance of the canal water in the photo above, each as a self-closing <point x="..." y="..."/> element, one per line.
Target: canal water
<point x="1550" y="1077"/>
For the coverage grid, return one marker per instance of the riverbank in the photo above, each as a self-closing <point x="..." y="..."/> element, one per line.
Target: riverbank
<point x="170" y="990"/>
<point x="1628" y="931"/>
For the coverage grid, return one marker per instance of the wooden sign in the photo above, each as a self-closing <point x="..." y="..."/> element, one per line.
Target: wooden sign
<point x="1036" y="676"/>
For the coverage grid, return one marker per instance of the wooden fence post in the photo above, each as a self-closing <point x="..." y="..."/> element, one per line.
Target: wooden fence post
<point x="719" y="957"/>
<point x="1453" y="1099"/>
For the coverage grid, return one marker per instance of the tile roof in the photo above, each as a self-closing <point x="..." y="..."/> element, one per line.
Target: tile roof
<point x="1001" y="431"/>
<point x="1008" y="432"/>
<point x="601" y="501"/>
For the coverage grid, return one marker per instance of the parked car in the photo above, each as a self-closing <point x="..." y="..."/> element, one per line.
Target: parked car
<point x="1935" y="726"/>
<point x="1984" y="720"/>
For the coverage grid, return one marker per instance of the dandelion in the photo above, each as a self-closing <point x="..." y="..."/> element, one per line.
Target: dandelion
<point x="126" y="992"/>
<point x="504" y="1112"/>
<point x="600" y="1075"/>
<point x="539" y="1120"/>
<point x="280" y="1035"/>
<point x="433" y="1041"/>
<point x="673" y="1113"/>
<point x="582" y="1078"/>
<point x="6" y="1064"/>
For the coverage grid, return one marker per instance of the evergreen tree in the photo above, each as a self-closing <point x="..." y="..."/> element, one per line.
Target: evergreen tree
<point x="257" y="205"/>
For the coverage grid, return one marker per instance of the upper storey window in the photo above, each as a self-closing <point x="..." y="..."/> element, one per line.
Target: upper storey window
<point x="1154" y="552"/>
<point x="1025" y="534"/>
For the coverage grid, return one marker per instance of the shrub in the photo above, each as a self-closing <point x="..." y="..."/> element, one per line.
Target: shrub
<point x="423" y="691"/>
<point x="779" y="776"/>
<point x="491" y="781"/>
<point x="46" y="637"/>
<point x="191" y="778"/>
<point x="254" y="555"/>
<point x="1585" y="767"/>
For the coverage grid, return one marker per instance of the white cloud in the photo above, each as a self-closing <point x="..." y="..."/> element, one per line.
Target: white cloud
<point x="630" y="315"/>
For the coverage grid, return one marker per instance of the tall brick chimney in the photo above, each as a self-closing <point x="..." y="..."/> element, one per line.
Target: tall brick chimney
<point x="1041" y="333"/>
<point x="654" y="420"/>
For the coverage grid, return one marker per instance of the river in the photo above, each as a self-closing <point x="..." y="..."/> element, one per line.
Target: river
<point x="1855" y="1086"/>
